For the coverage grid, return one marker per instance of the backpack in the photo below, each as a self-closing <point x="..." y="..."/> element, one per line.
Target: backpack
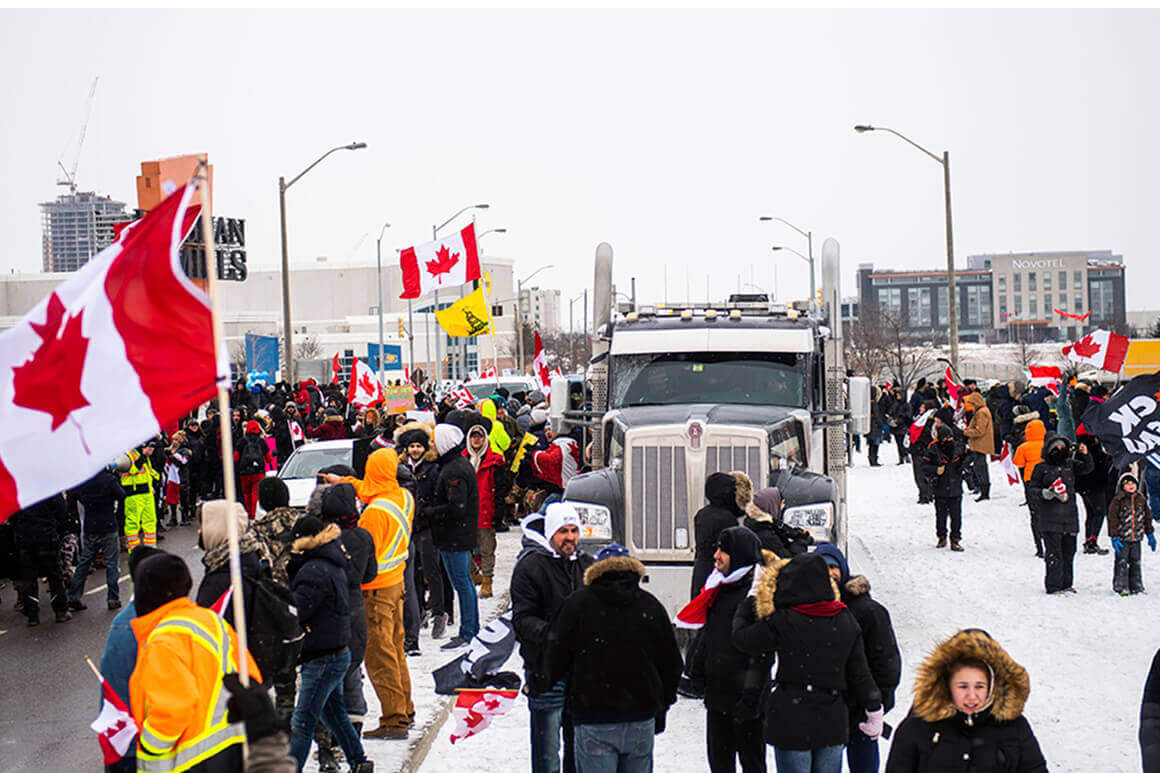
<point x="273" y="634"/>
<point x="252" y="460"/>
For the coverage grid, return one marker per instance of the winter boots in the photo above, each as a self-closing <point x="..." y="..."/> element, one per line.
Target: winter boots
<point x="485" y="588"/>
<point x="439" y="626"/>
<point x="1091" y="546"/>
<point x="955" y="546"/>
<point x="942" y="542"/>
<point x="476" y="575"/>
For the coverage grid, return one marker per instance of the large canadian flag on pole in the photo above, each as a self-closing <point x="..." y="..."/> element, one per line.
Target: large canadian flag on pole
<point x="365" y="388"/>
<point x="540" y="363"/>
<point x="443" y="263"/>
<point x="1100" y="348"/>
<point x="120" y="349"/>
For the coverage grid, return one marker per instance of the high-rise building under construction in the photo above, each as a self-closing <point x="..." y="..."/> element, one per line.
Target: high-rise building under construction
<point x="76" y="227"/>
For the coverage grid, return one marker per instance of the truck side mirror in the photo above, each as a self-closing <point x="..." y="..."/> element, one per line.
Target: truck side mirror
<point x="859" y="402"/>
<point x="558" y="403"/>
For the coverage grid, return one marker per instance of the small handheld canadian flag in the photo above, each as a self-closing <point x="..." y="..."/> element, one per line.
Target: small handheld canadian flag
<point x="220" y="606"/>
<point x="114" y="726"/>
<point x="1059" y="487"/>
<point x="1006" y="460"/>
<point x="335" y="369"/>
<point x="540" y="363"/>
<point x="365" y="388"/>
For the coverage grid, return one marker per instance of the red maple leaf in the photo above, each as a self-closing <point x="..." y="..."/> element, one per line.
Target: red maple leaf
<point x="367" y="385"/>
<point x="1086" y="347"/>
<point x="51" y="381"/>
<point x="445" y="260"/>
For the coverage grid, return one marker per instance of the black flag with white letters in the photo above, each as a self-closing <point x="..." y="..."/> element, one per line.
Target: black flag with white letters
<point x="1128" y="422"/>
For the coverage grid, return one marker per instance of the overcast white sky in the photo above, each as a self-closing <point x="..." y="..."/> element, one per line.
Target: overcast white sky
<point x="665" y="133"/>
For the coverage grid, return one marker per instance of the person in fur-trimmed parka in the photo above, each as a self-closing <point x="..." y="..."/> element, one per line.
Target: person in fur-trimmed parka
<point x="796" y="613"/>
<point x="968" y="712"/>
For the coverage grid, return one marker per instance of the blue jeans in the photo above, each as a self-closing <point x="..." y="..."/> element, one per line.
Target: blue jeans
<point x="110" y="546"/>
<point x="1152" y="481"/>
<point x="458" y="565"/>
<point x="828" y="759"/>
<point x="862" y="753"/>
<point x="548" y="719"/>
<point x="623" y="747"/>
<point x="320" y="697"/>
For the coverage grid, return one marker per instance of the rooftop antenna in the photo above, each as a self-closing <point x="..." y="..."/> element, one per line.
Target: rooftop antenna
<point x="71" y="176"/>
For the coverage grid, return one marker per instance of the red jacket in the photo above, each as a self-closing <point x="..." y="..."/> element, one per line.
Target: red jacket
<point x="331" y="429"/>
<point x="489" y="479"/>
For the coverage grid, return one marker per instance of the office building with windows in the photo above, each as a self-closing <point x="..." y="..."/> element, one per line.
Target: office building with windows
<point x="1005" y="297"/>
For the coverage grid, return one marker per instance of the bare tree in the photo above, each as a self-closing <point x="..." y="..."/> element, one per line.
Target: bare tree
<point x="907" y="356"/>
<point x="307" y="348"/>
<point x="238" y="358"/>
<point x="866" y="346"/>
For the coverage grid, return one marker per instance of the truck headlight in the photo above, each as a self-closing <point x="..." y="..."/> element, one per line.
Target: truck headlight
<point x="595" y="521"/>
<point x="816" y="518"/>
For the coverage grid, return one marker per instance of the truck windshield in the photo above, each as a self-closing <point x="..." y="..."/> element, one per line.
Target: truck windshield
<point x="742" y="378"/>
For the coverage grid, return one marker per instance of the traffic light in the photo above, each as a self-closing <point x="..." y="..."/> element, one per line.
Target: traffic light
<point x="402" y="332"/>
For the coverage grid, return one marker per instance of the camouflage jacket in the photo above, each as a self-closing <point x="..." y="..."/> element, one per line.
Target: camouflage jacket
<point x="273" y="532"/>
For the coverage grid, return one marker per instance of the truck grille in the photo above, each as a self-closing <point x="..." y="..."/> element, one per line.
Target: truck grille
<point x="665" y="478"/>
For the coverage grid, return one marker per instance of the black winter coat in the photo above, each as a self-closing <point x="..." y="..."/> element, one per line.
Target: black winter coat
<point x="1055" y="516"/>
<point x="216" y="581"/>
<point x="1099" y="479"/>
<point x="455" y="513"/>
<point x="950" y="483"/>
<point x="1150" y="719"/>
<point x="771" y="537"/>
<point x="318" y="572"/>
<point x="540" y="583"/>
<point x="426" y="475"/>
<point x="708" y="523"/>
<point x="362" y="567"/>
<point x="820" y="659"/>
<point x="882" y="653"/>
<point x="101" y="496"/>
<point x="953" y="746"/>
<point x="614" y="644"/>
<point x="41" y="524"/>
<point x="734" y="680"/>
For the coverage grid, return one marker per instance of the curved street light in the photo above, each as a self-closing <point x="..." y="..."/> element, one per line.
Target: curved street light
<point x="952" y="301"/>
<point x="435" y="229"/>
<point x="809" y="235"/>
<point x="287" y="332"/>
<point x="520" y="313"/>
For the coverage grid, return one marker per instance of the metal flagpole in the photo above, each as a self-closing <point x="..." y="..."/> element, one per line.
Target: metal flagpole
<point x="227" y="439"/>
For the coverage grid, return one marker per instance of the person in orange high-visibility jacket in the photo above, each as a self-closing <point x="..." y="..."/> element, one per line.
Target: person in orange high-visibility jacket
<point x="175" y="690"/>
<point x="388" y="517"/>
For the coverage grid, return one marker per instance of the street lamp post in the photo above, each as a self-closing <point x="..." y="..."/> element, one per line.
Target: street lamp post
<point x="283" y="186"/>
<point x="810" y="260"/>
<point x="491" y="327"/>
<point x="379" y="265"/>
<point x="809" y="248"/>
<point x="520" y="314"/>
<point x="435" y="307"/>
<point x="952" y="301"/>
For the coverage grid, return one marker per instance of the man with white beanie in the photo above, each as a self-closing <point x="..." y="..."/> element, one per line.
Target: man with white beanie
<point x="550" y="567"/>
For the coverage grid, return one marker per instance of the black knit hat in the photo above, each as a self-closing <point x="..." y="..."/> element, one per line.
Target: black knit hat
<point x="415" y="435"/>
<point x="160" y="579"/>
<point x="139" y="554"/>
<point x="741" y="545"/>
<point x="272" y="493"/>
<point x="306" y="526"/>
<point x="339" y="505"/>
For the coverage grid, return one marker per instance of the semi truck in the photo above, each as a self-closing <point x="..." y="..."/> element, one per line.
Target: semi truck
<point x="678" y="393"/>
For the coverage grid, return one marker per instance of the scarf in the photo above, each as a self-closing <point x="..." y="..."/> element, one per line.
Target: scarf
<point x="820" y="608"/>
<point x="696" y="612"/>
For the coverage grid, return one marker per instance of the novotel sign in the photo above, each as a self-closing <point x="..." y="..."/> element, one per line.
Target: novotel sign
<point x="1044" y="263"/>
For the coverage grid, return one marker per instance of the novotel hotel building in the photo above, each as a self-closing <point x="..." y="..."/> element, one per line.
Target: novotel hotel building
<point x="1007" y="297"/>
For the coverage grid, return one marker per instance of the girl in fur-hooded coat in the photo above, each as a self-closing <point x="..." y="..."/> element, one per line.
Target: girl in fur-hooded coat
<point x="937" y="736"/>
<point x="796" y="613"/>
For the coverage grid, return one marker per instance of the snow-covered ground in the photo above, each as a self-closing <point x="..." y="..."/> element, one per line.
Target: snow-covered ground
<point x="1087" y="654"/>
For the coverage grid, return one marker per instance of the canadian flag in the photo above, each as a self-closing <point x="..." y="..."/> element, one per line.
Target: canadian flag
<point x="540" y="363"/>
<point x="443" y="263"/>
<point x="335" y="369"/>
<point x="1059" y="487"/>
<point x="220" y="606"/>
<point x="114" y="726"/>
<point x="953" y="386"/>
<point x="365" y="388"/>
<point x="296" y="433"/>
<point x="1045" y="376"/>
<point x="120" y="349"/>
<point x="463" y="397"/>
<point x="489" y="373"/>
<point x="916" y="428"/>
<point x="474" y="710"/>
<point x="1100" y="348"/>
<point x="1007" y="462"/>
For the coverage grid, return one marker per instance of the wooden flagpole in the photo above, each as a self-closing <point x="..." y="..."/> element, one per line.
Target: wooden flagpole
<point x="95" y="671"/>
<point x="227" y="439"/>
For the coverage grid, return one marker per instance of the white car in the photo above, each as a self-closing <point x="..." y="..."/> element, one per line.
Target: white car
<point x="485" y="387"/>
<point x="301" y="469"/>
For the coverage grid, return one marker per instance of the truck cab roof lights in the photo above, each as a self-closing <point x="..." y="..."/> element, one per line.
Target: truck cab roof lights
<point x="648" y="311"/>
<point x="687" y="315"/>
<point x="791" y="313"/>
<point x="632" y="316"/>
<point x="735" y="315"/>
<point x="710" y="315"/>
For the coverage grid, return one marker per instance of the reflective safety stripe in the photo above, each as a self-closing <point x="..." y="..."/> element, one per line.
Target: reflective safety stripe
<point x="391" y="558"/>
<point x="154" y="742"/>
<point x="219" y="733"/>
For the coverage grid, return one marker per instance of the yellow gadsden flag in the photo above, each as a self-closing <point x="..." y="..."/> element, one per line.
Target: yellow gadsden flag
<point x="466" y="317"/>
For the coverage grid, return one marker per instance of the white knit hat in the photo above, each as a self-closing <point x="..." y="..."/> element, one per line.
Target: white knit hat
<point x="447" y="436"/>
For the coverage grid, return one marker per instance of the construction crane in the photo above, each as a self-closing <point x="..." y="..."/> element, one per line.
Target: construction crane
<point x="71" y="177"/>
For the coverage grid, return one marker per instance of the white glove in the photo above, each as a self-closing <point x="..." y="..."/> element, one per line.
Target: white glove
<point x="872" y="727"/>
<point x="758" y="571"/>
